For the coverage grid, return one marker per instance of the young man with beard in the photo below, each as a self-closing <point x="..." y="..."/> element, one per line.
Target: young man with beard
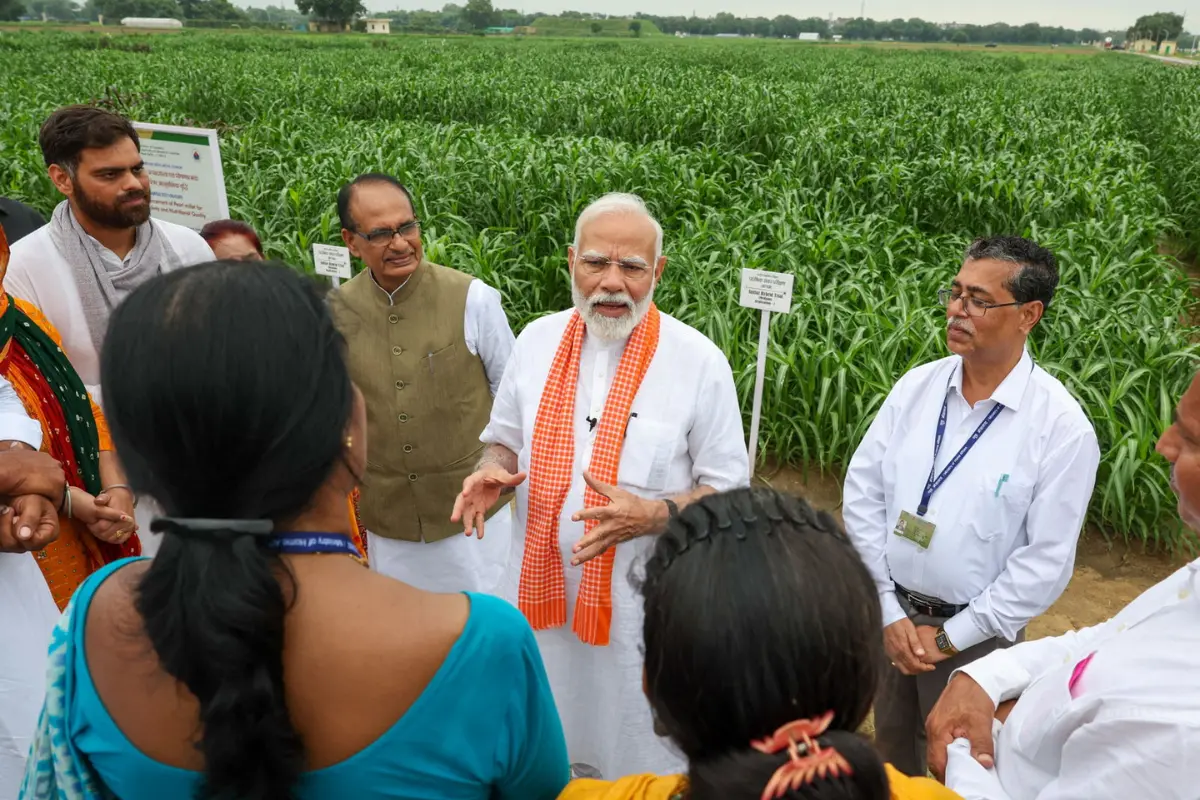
<point x="618" y="415"/>
<point x="427" y="346"/>
<point x="1110" y="711"/>
<point x="968" y="493"/>
<point x="100" y="243"/>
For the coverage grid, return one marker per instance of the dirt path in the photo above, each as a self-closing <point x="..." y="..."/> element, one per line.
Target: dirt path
<point x="1106" y="577"/>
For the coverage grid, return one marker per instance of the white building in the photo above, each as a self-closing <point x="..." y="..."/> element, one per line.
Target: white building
<point x="379" y="26"/>
<point x="151" y="22"/>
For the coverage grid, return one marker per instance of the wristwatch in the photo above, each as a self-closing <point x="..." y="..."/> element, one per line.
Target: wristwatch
<point x="943" y="643"/>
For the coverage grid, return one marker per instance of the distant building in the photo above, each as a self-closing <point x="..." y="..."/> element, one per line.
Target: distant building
<point x="808" y="37"/>
<point x="327" y="27"/>
<point x="525" y="30"/>
<point x="496" y="30"/>
<point x="379" y="26"/>
<point x="1143" y="46"/>
<point x="1168" y="48"/>
<point x="150" y="22"/>
<point x="729" y="36"/>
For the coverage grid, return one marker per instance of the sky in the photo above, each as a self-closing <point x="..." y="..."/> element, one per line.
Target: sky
<point x="1101" y="14"/>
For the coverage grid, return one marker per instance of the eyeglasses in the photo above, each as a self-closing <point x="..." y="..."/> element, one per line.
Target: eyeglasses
<point x="974" y="306"/>
<point x="381" y="236"/>
<point x="633" y="269"/>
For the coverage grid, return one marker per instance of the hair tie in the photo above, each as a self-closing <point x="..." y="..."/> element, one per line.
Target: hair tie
<point x="806" y="758"/>
<point x="185" y="526"/>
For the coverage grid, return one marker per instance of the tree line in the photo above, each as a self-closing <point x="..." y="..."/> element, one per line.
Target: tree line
<point x="866" y="29"/>
<point x="478" y="14"/>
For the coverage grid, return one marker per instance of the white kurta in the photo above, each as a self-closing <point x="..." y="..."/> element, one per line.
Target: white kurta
<point x="685" y="430"/>
<point x="455" y="564"/>
<point x="1111" y="711"/>
<point x="27" y="615"/>
<point x="38" y="273"/>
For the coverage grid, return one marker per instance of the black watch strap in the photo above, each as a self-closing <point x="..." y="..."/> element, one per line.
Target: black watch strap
<point x="672" y="509"/>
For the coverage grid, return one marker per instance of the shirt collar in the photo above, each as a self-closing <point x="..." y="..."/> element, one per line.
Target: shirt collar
<point x="1011" y="390"/>
<point x="104" y="249"/>
<point x="391" y="296"/>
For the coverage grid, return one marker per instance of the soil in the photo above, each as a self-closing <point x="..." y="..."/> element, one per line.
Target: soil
<point x="1108" y="575"/>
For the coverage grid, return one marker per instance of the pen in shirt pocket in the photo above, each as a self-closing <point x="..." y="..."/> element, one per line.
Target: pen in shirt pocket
<point x="1000" y="483"/>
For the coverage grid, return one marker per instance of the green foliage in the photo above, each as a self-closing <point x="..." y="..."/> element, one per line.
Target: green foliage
<point x="11" y="9"/>
<point x="478" y="14"/>
<point x="339" y="12"/>
<point x="571" y="26"/>
<point x="116" y="10"/>
<point x="60" y="10"/>
<point x="1160" y="27"/>
<point x="864" y="172"/>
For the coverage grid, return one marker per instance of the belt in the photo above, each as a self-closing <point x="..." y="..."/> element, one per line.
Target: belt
<point x="929" y="606"/>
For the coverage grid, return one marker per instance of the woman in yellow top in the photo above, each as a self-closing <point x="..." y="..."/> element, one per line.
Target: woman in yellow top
<point x="763" y="655"/>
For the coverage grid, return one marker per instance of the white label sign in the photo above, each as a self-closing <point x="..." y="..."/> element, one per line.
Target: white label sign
<point x="187" y="183"/>
<point x="767" y="291"/>
<point x="332" y="261"/>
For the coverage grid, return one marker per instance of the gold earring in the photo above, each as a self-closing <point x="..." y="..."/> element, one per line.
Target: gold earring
<point x="349" y="442"/>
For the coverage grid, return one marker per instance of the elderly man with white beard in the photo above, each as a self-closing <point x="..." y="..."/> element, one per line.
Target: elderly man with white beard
<point x="618" y="415"/>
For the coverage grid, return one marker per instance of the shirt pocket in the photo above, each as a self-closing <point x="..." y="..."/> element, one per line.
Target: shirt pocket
<point x="647" y="455"/>
<point x="1001" y="502"/>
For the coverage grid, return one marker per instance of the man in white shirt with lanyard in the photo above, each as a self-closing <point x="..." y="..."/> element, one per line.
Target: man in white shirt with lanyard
<point x="1109" y="711"/>
<point x="967" y="495"/>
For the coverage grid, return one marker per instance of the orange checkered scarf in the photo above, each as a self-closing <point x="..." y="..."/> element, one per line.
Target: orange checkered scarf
<point x="542" y="594"/>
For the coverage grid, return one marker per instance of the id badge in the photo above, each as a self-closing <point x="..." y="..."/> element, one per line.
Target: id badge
<point x="916" y="529"/>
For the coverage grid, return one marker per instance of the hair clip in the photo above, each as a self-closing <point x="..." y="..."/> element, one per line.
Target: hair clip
<point x="807" y="760"/>
<point x="186" y="525"/>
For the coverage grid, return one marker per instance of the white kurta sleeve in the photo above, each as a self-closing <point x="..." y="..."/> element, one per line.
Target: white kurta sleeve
<point x="17" y="280"/>
<point x="1037" y="573"/>
<point x="1005" y="674"/>
<point x="1121" y="753"/>
<point x="487" y="331"/>
<point x="15" y="423"/>
<point x="716" y="441"/>
<point x="968" y="777"/>
<point x="505" y="425"/>
<point x="864" y="506"/>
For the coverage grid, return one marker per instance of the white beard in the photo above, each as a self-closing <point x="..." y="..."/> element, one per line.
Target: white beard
<point x="611" y="329"/>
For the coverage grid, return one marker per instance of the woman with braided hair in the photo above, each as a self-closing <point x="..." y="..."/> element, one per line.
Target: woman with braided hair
<point x="762" y="659"/>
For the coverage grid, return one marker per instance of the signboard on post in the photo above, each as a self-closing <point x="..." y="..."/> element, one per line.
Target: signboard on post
<point x="187" y="182"/>
<point x="333" y="262"/>
<point x="769" y="292"/>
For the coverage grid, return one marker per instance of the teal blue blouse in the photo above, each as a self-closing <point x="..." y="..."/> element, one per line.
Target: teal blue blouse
<point x="485" y="728"/>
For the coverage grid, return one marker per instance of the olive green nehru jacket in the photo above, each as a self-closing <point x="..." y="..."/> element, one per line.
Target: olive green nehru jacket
<point x="427" y="396"/>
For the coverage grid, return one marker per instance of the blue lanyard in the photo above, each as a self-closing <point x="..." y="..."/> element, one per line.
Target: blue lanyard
<point x="299" y="544"/>
<point x="933" y="484"/>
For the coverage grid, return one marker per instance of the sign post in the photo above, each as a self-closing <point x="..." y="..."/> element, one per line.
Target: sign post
<point x="333" y="262"/>
<point x="187" y="182"/>
<point x="769" y="292"/>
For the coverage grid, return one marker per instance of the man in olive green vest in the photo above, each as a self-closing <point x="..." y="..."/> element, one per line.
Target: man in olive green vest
<point x="427" y="347"/>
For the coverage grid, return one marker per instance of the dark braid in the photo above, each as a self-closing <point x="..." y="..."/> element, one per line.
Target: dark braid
<point x="742" y="513"/>
<point x="759" y="612"/>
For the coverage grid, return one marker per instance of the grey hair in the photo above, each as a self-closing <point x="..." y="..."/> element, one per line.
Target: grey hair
<point x="619" y="203"/>
<point x="1037" y="277"/>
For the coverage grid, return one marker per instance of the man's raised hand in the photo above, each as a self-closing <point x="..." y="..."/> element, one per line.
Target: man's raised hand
<point x="480" y="491"/>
